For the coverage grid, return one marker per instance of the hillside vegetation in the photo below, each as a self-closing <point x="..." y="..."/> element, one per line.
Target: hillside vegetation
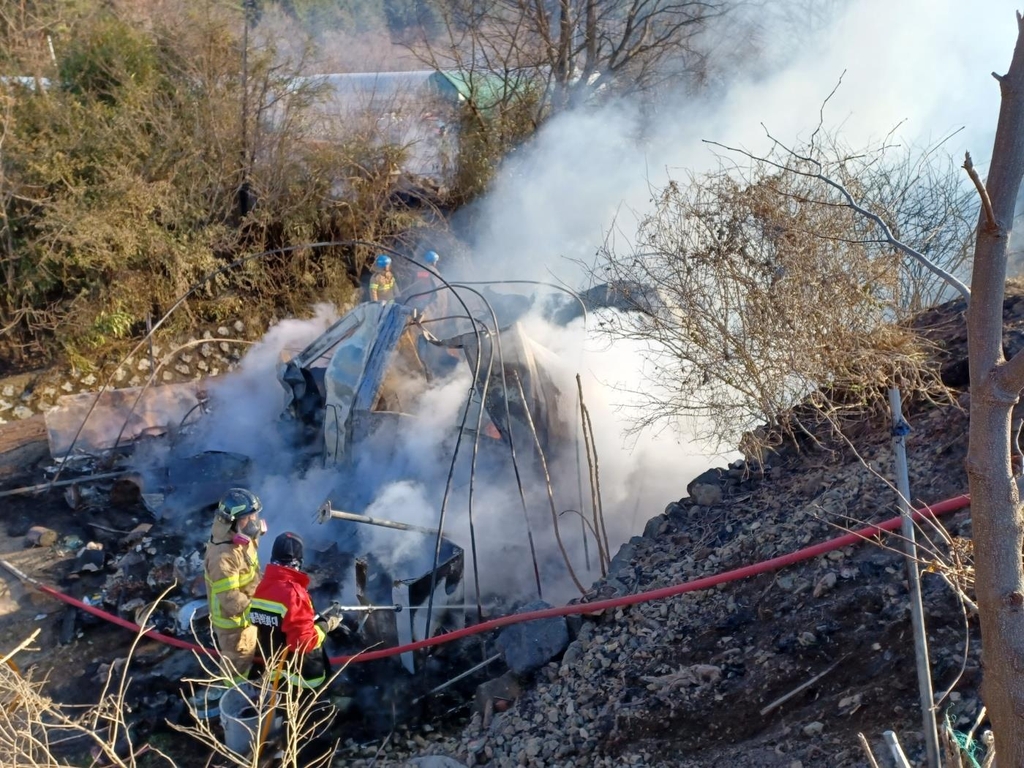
<point x="134" y="163"/>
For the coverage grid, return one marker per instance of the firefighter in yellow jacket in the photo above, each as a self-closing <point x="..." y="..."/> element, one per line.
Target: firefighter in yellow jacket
<point x="382" y="282"/>
<point x="232" y="572"/>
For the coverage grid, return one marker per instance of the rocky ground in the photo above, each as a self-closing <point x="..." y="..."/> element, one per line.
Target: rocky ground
<point x="683" y="681"/>
<point x="689" y="681"/>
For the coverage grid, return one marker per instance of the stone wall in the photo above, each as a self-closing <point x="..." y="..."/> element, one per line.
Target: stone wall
<point x="213" y="351"/>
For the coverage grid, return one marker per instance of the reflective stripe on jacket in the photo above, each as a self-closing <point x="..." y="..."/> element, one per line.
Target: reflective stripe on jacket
<point x="282" y="612"/>
<point x="382" y="282"/>
<point x="231" y="572"/>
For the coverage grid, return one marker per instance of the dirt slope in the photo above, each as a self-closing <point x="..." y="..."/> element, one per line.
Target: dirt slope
<point x="685" y="681"/>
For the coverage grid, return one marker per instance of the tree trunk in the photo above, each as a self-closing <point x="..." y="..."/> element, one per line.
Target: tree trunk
<point x="563" y="66"/>
<point x="590" y="65"/>
<point x="998" y="530"/>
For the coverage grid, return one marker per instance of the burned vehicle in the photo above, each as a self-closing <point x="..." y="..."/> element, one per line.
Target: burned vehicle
<point x="356" y="380"/>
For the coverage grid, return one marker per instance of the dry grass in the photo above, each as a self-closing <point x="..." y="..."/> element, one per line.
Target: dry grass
<point x="38" y="732"/>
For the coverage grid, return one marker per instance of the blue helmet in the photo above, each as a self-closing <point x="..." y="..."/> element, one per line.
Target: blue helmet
<point x="431" y="258"/>
<point x="383" y="261"/>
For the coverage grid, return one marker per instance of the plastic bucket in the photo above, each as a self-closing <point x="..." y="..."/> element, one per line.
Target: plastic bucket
<point x="240" y="720"/>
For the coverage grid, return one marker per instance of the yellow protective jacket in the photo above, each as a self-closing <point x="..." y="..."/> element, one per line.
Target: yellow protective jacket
<point x="232" y="573"/>
<point x="382" y="286"/>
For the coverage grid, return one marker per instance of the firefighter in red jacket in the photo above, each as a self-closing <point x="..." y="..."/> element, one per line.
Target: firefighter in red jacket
<point x="282" y="612"/>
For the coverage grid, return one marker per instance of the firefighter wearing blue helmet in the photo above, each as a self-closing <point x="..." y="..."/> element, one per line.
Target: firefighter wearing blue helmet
<point x="382" y="284"/>
<point x="422" y="292"/>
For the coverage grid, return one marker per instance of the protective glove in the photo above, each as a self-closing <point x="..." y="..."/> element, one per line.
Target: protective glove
<point x="329" y="623"/>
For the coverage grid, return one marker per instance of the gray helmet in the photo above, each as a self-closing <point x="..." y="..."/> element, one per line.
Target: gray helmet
<point x="238" y="502"/>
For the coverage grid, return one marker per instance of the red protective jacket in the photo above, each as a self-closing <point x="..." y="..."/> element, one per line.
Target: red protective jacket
<point x="282" y="612"/>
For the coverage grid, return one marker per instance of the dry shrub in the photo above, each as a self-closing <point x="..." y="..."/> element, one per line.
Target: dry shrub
<point x="310" y="713"/>
<point x="758" y="291"/>
<point x="37" y="732"/>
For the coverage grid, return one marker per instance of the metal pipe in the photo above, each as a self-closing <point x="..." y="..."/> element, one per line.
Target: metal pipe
<point x="48" y="486"/>
<point x="457" y="678"/>
<point x="326" y="512"/>
<point x="899" y="758"/>
<point x="900" y="429"/>
<point x="396" y="608"/>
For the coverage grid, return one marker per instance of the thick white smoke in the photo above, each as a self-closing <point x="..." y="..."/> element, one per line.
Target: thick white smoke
<point x="248" y="402"/>
<point x="918" y="64"/>
<point x="586" y="173"/>
<point x="401" y="474"/>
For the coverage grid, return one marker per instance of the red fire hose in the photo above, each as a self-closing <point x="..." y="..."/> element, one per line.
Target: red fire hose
<point x="153" y="634"/>
<point x="855" y="537"/>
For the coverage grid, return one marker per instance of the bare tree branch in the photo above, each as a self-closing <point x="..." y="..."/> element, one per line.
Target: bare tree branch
<point x="986" y="201"/>
<point x="751" y="292"/>
<point x="930" y="265"/>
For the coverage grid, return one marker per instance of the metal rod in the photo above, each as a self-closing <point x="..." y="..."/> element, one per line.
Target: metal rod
<point x="579" y="484"/>
<point x="457" y="678"/>
<point x="547" y="483"/>
<point x="496" y="342"/>
<point x="603" y="556"/>
<point x="900" y="429"/>
<point x="472" y="474"/>
<point x="867" y="750"/>
<point x="47" y="486"/>
<point x="396" y="608"/>
<point x="896" y="750"/>
<point x="327" y="512"/>
<point x="504" y="384"/>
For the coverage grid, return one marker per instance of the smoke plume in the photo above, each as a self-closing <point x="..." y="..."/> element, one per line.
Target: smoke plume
<point x="587" y="174"/>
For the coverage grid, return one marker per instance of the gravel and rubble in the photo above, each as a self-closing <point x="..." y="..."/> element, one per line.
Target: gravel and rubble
<point x="694" y="680"/>
<point x="688" y="681"/>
